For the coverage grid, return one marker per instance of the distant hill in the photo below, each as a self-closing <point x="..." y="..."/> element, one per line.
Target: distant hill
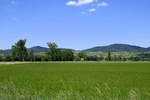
<point x="36" y="49"/>
<point x="43" y="49"/>
<point x="118" y="48"/>
<point x="111" y="48"/>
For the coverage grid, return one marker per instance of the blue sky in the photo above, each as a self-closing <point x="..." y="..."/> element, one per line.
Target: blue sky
<point x="76" y="24"/>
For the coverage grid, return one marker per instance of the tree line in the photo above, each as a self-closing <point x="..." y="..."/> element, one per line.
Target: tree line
<point x="19" y="52"/>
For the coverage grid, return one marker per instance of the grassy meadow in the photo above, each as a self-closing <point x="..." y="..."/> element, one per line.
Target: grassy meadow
<point x="75" y="81"/>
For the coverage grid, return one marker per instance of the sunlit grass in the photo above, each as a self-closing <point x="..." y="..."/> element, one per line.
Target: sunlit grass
<point x="75" y="81"/>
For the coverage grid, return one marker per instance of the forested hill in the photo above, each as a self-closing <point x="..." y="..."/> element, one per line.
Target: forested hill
<point x="36" y="49"/>
<point x="43" y="49"/>
<point x="118" y="48"/>
<point x="111" y="48"/>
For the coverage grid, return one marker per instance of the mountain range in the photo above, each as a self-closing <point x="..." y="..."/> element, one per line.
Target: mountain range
<point x="118" y="48"/>
<point x="111" y="48"/>
<point x="35" y="49"/>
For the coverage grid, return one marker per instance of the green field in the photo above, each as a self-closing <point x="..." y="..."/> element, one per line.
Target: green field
<point x="75" y="81"/>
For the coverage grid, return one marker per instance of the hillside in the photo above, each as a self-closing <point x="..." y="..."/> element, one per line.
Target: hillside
<point x="118" y="48"/>
<point x="36" y="49"/>
<point x="111" y="48"/>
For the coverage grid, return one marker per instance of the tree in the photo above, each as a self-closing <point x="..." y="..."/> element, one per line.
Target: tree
<point x="144" y="56"/>
<point x="120" y="58"/>
<point x="1" y="59"/>
<point x="108" y="56"/>
<point x="101" y="57"/>
<point x="19" y="51"/>
<point x="134" y="58"/>
<point x="67" y="55"/>
<point x="54" y="52"/>
<point x="124" y="59"/>
<point x="31" y="56"/>
<point x="82" y="55"/>
<point x="8" y="58"/>
<point x="92" y="58"/>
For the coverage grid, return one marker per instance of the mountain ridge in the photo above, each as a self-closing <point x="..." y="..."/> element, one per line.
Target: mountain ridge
<point x="118" y="48"/>
<point x="36" y="49"/>
<point x="107" y="48"/>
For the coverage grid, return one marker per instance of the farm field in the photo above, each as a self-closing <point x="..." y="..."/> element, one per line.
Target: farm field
<point x="75" y="81"/>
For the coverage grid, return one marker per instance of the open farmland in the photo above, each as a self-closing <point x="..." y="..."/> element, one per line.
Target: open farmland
<point x="75" y="81"/>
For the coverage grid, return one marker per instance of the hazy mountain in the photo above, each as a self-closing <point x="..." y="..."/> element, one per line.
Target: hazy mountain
<point x="118" y="48"/>
<point x="8" y="51"/>
<point x="36" y="49"/>
<point x="111" y="48"/>
<point x="43" y="49"/>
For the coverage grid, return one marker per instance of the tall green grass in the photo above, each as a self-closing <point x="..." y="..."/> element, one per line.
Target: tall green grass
<point x="75" y="81"/>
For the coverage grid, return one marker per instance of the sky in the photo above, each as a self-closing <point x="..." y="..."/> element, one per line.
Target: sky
<point x="75" y="24"/>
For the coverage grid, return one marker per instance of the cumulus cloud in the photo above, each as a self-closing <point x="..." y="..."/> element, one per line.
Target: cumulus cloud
<point x="103" y="4"/>
<point x="80" y="2"/>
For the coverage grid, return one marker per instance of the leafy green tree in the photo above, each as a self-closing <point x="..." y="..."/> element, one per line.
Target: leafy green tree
<point x="76" y="58"/>
<point x="31" y="56"/>
<point x="44" y="58"/>
<point x="67" y="55"/>
<point x="19" y="51"/>
<point x="37" y="58"/>
<point x="7" y="58"/>
<point x="82" y="55"/>
<point x="92" y="58"/>
<point x="124" y="59"/>
<point x="54" y="52"/>
<point x="100" y="58"/>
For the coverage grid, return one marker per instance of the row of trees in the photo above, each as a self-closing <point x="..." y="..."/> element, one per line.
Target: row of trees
<point x="19" y="52"/>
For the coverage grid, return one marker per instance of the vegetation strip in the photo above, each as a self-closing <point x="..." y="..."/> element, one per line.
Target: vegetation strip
<point x="19" y="52"/>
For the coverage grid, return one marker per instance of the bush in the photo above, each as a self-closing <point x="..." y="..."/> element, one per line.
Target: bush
<point x="8" y="58"/>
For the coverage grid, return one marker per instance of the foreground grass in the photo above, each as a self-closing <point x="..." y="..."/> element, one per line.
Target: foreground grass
<point x="75" y="81"/>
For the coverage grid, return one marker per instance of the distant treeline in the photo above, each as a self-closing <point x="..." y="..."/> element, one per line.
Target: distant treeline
<point x="19" y="52"/>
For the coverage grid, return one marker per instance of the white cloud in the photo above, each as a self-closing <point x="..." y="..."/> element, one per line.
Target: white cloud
<point x="103" y="4"/>
<point x="71" y="3"/>
<point x="95" y="4"/>
<point x="80" y="2"/>
<point x="92" y="10"/>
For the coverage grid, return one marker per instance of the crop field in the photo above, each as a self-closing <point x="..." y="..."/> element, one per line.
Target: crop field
<point x="75" y="81"/>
